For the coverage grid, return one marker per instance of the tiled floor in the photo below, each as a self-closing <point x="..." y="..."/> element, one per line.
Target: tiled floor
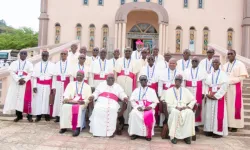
<point x="45" y="136"/>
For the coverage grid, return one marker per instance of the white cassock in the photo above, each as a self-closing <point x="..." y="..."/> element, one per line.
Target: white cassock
<point x="75" y="68"/>
<point x="73" y="58"/>
<point x="207" y="65"/>
<point x="19" y="97"/>
<point x="141" y="63"/>
<point x="126" y="70"/>
<point x="142" y="123"/>
<point x="166" y="81"/>
<point x="237" y="72"/>
<point x="62" y="78"/>
<point x="71" y="114"/>
<point x="99" y="71"/>
<point x="88" y="61"/>
<point x="163" y="64"/>
<point x="216" y="110"/>
<point x="43" y="81"/>
<point x="113" y="62"/>
<point x="181" y="123"/>
<point x="183" y="65"/>
<point x="104" y="116"/>
<point x="159" y="58"/>
<point x="194" y="81"/>
<point x="136" y="55"/>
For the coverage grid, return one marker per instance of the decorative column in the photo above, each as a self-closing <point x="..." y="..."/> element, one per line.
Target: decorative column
<point x="163" y="39"/>
<point x="119" y="35"/>
<point x="123" y="36"/>
<point x="43" y="24"/>
<point x="166" y="38"/>
<point x="160" y="37"/>
<point x="246" y="30"/>
<point x="116" y="32"/>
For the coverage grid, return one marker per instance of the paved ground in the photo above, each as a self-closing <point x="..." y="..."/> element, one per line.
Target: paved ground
<point x="45" y="136"/>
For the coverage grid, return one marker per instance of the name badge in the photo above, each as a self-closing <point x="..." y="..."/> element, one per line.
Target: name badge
<point x="168" y="84"/>
<point x="102" y="75"/>
<point x="214" y="88"/>
<point x="126" y="71"/>
<point x="42" y="78"/>
<point x="77" y="98"/>
<point x="63" y="77"/>
<point x="194" y="83"/>
<point x="20" y="73"/>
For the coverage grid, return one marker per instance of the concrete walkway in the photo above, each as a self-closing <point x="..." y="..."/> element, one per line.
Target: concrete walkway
<point x="45" y="136"/>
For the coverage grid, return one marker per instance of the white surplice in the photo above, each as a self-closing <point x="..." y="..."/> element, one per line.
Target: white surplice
<point x="73" y="58"/>
<point x="217" y="79"/>
<point x="163" y="64"/>
<point x="62" y="76"/>
<point x="194" y="75"/>
<point x="159" y="58"/>
<point x="207" y="65"/>
<point x="136" y="55"/>
<point x="152" y="74"/>
<point x="237" y="72"/>
<point x="141" y="63"/>
<point x="183" y="65"/>
<point x="136" y="118"/>
<point x="181" y="123"/>
<point x="15" y="95"/>
<point x="106" y="109"/>
<point x="43" y="72"/>
<point x="66" y="110"/>
<point x="75" y="68"/>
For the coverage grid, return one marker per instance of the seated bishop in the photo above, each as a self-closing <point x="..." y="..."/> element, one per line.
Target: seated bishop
<point x="75" y="102"/>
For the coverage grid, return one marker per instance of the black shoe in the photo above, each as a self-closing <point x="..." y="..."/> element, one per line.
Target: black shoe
<point x="187" y="140"/>
<point x="174" y="141"/>
<point x="17" y="119"/>
<point x="148" y="139"/>
<point x="197" y="129"/>
<point x="208" y="133"/>
<point x="57" y="119"/>
<point x="217" y="136"/>
<point x="76" y="132"/>
<point x="133" y="137"/>
<point x="62" y="131"/>
<point x="29" y="118"/>
<point x="47" y="117"/>
<point x="234" y="130"/>
<point x="38" y="118"/>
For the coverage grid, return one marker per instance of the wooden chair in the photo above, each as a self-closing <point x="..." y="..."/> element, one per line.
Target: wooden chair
<point x="165" y="129"/>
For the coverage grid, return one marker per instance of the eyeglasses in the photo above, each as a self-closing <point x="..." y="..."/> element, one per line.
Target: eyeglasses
<point x="82" y="58"/>
<point x="210" y="52"/>
<point x="194" y="60"/>
<point x="23" y="53"/>
<point x="44" y="55"/>
<point x="143" y="79"/>
<point x="63" y="54"/>
<point x="229" y="53"/>
<point x="96" y="50"/>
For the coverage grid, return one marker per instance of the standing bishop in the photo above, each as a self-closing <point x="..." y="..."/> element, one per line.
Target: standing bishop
<point x="19" y="95"/>
<point x="158" y="57"/>
<point x="73" y="55"/>
<point x="185" y="63"/>
<point x="207" y="62"/>
<point x="137" y="53"/>
<point x="81" y="65"/>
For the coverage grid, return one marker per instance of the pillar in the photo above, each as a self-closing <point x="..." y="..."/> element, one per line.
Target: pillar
<point x="43" y="24"/>
<point x="160" y="37"/>
<point x="123" y="36"/>
<point x="163" y="38"/>
<point x="246" y="29"/>
<point x="166" y="38"/>
<point x="119" y="35"/>
<point x="116" y="32"/>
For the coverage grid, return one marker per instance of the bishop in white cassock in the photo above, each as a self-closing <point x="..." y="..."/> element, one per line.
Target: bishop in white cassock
<point x="181" y="121"/>
<point x="237" y="72"/>
<point x="42" y="87"/>
<point x="116" y="56"/>
<point x="100" y="68"/>
<point x="126" y="70"/>
<point x="142" y="62"/>
<point x="158" y="57"/>
<point x="73" y="55"/>
<point x="184" y="63"/>
<point x="194" y="78"/>
<point x="137" y="53"/>
<point x="165" y="63"/>
<point x="95" y="55"/>
<point x="83" y="51"/>
<point x="215" y="121"/>
<point x="75" y="102"/>
<point x="106" y="107"/>
<point x="166" y="81"/>
<point x="141" y="118"/>
<point x="19" y="95"/>
<point x="81" y="65"/>
<point x="206" y="63"/>
<point x="62" y="77"/>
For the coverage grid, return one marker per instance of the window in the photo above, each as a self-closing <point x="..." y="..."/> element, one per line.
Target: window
<point x="85" y="2"/>
<point x="147" y="0"/>
<point x="100" y="2"/>
<point x="135" y="0"/>
<point x="205" y="40"/>
<point x="185" y="3"/>
<point x="160" y="2"/>
<point x="91" y="36"/>
<point x="122" y="2"/>
<point x="192" y="39"/>
<point x="105" y="33"/>
<point x="58" y="33"/>
<point x="230" y="32"/>
<point x="178" y="36"/>
<point x="200" y="3"/>
<point x="78" y="31"/>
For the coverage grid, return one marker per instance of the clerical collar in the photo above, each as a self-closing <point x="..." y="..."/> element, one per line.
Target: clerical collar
<point x="45" y="61"/>
<point x="127" y="58"/>
<point x="144" y="87"/>
<point x="64" y="60"/>
<point x="22" y="60"/>
<point x="151" y="66"/>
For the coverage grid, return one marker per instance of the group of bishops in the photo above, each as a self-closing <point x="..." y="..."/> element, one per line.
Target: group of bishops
<point x="136" y="89"/>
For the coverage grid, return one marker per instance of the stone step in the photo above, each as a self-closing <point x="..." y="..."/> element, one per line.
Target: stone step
<point x="246" y="84"/>
<point x="246" y="100"/>
<point x="246" y="112"/>
<point x="244" y="95"/>
<point x="246" y="118"/>
<point x="241" y="132"/>
<point x="246" y="81"/>
<point x="247" y="126"/>
<point x="246" y="106"/>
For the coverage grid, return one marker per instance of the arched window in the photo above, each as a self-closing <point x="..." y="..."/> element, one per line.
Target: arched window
<point x="160" y="2"/>
<point x="105" y="33"/>
<point x="91" y="36"/>
<point x="200" y="3"/>
<point x="205" y="40"/>
<point x="147" y="0"/>
<point x="85" y="2"/>
<point x="185" y="3"/>
<point x="192" y="39"/>
<point x="122" y="2"/>
<point x="135" y="0"/>
<point x="100" y="2"/>
<point x="230" y="32"/>
<point x="78" y="31"/>
<point x="178" y="35"/>
<point x="58" y="33"/>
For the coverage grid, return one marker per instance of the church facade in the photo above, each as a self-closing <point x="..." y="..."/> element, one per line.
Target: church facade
<point x="172" y="25"/>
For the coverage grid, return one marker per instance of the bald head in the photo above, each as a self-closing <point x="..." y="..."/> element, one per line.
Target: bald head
<point x="186" y="54"/>
<point x="95" y="51"/>
<point x="216" y="64"/>
<point x="172" y="63"/>
<point x="178" y="81"/>
<point x="83" y="50"/>
<point x="103" y="53"/>
<point x="74" y="48"/>
<point x="128" y="52"/>
<point x="167" y="56"/>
